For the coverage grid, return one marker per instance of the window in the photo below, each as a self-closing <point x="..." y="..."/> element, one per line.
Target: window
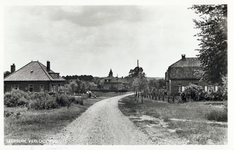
<point x="210" y="89"/>
<point x="180" y="88"/>
<point x="206" y="88"/>
<point x="216" y="88"/>
<point x="15" y="87"/>
<point x="42" y="88"/>
<point x="31" y="88"/>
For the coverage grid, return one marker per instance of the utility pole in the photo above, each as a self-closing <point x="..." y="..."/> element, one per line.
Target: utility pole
<point x="117" y="84"/>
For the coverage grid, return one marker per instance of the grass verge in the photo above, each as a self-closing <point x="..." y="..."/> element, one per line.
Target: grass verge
<point x="178" y="132"/>
<point x="32" y="126"/>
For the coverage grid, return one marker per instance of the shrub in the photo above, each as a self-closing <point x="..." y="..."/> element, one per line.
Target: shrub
<point x="11" y="99"/>
<point x="51" y="104"/>
<point x="194" y="92"/>
<point x="22" y="102"/>
<point x="38" y="100"/>
<point x="217" y="115"/>
<point x="62" y="100"/>
<point x="78" y="101"/>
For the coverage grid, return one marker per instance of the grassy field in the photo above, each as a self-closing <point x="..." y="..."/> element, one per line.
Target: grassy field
<point x="178" y="123"/>
<point x="30" y="127"/>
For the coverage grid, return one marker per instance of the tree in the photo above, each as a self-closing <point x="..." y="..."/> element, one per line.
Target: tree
<point x="6" y="73"/>
<point x="213" y="40"/>
<point x="140" y="84"/>
<point x="136" y="71"/>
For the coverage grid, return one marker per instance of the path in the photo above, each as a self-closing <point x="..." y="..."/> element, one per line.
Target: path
<point x="102" y="124"/>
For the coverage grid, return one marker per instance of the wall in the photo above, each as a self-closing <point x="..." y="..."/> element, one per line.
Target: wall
<point x="24" y="85"/>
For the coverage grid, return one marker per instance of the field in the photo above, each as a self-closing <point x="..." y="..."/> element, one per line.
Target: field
<point x="199" y="123"/>
<point x="32" y="127"/>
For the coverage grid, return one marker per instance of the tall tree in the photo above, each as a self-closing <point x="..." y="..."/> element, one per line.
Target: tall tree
<point x="140" y="84"/>
<point x="136" y="71"/>
<point x="213" y="40"/>
<point x="6" y="73"/>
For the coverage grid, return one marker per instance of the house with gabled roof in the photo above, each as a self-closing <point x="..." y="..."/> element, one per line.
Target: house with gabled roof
<point x="185" y="71"/>
<point x="112" y="83"/>
<point x="34" y="77"/>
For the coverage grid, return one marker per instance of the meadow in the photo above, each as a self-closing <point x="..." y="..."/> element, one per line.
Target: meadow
<point x="202" y="123"/>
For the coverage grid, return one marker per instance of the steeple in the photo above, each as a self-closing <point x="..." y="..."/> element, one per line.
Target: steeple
<point x="110" y="73"/>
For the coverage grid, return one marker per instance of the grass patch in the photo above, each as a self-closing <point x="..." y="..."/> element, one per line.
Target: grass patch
<point x="35" y="125"/>
<point x="194" y="132"/>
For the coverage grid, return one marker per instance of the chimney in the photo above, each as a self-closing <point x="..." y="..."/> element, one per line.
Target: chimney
<point x="48" y="65"/>
<point x="12" y="68"/>
<point x="137" y="63"/>
<point x="183" y="56"/>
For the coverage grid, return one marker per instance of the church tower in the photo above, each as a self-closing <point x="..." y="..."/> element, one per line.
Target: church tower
<point x="110" y="73"/>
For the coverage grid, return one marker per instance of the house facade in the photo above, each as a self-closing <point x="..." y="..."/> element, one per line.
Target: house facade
<point x="184" y="72"/>
<point x="34" y="77"/>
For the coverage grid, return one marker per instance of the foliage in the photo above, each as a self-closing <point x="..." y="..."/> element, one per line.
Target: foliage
<point x="15" y="98"/>
<point x="39" y="100"/>
<point x="159" y="84"/>
<point x="140" y="83"/>
<point x="136" y="71"/>
<point x="6" y="73"/>
<point x="224" y="88"/>
<point x="194" y="92"/>
<point x="77" y="86"/>
<point x="213" y="40"/>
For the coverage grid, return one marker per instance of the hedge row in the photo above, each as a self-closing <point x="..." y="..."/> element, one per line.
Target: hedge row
<point x="39" y="100"/>
<point x="197" y="93"/>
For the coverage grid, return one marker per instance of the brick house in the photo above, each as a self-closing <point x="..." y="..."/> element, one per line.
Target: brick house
<point x="34" y="77"/>
<point x="185" y="71"/>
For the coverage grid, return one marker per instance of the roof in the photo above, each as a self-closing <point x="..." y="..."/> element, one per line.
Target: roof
<point x="187" y="62"/>
<point x="33" y="71"/>
<point x="186" y="68"/>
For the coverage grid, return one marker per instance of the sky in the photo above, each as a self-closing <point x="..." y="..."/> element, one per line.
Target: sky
<point x="92" y="39"/>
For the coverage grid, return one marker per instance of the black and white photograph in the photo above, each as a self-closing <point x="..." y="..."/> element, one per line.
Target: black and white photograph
<point x="116" y="74"/>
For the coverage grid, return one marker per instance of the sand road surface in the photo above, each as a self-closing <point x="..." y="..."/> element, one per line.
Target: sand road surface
<point x="102" y="124"/>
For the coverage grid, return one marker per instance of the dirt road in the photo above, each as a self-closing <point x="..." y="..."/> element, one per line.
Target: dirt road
<point x="102" y="124"/>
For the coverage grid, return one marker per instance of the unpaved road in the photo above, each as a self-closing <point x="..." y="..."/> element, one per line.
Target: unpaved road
<point x="102" y="124"/>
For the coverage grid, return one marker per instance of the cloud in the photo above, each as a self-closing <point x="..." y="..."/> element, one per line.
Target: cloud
<point x="90" y="16"/>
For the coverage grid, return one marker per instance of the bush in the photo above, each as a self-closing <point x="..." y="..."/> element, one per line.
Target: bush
<point x="217" y="115"/>
<point x="11" y="99"/>
<point x="39" y="100"/>
<point x="51" y="104"/>
<point x="62" y="100"/>
<point x="22" y="102"/>
<point x="194" y="92"/>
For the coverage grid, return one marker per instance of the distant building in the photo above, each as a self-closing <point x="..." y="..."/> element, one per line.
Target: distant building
<point x="112" y="83"/>
<point x="34" y="77"/>
<point x="184" y="72"/>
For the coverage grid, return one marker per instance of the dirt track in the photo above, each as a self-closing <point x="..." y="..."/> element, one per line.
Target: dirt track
<point x="102" y="124"/>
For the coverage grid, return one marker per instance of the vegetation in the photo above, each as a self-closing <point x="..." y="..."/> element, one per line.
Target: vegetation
<point x="186" y="122"/>
<point x="6" y="73"/>
<point x="197" y="93"/>
<point x="213" y="40"/>
<point x="39" y="100"/>
<point x="23" y="123"/>
<point x="77" y="86"/>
